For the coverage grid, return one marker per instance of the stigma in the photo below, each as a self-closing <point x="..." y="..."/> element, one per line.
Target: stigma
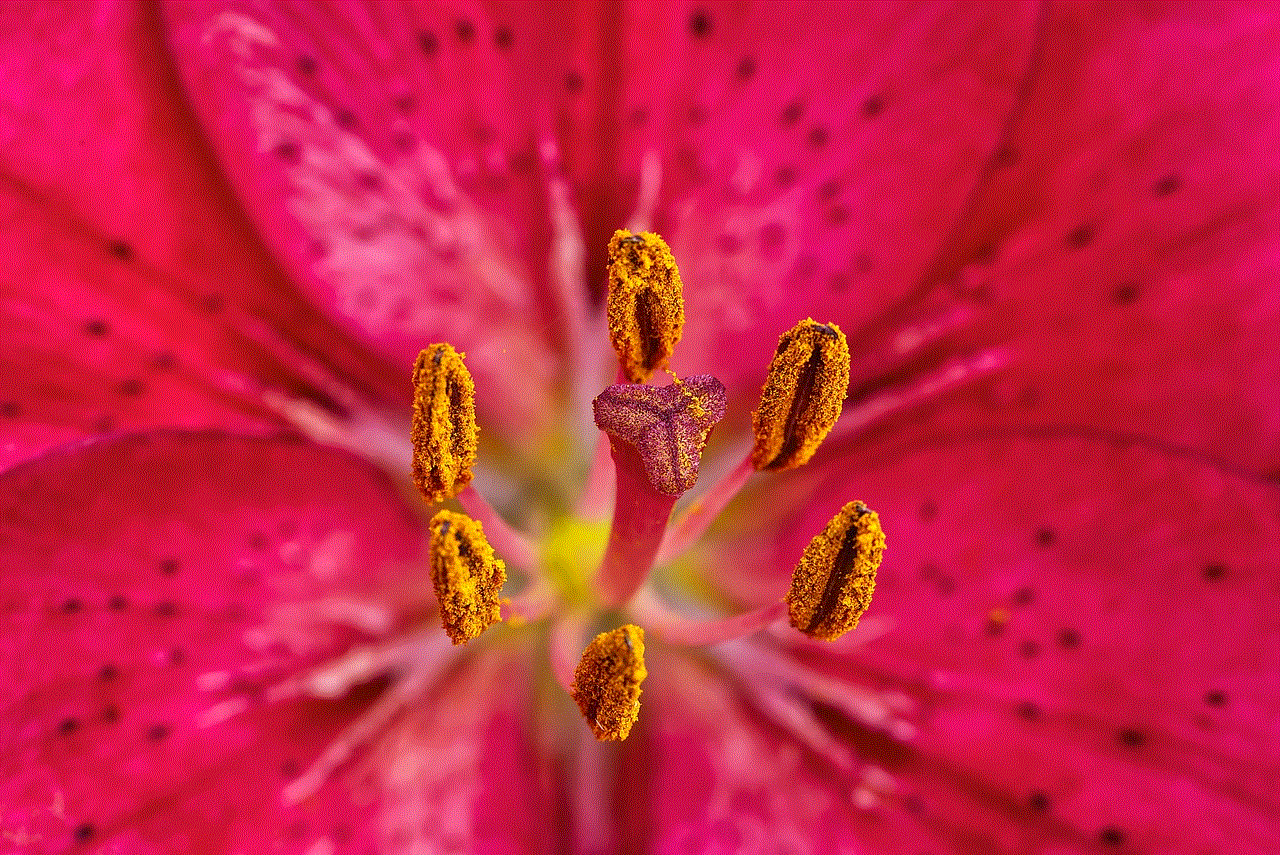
<point x="833" y="583"/>
<point x="803" y="394"/>
<point x="467" y="576"/>
<point x="444" y="432"/>
<point x="606" y="683"/>
<point x="645" y="309"/>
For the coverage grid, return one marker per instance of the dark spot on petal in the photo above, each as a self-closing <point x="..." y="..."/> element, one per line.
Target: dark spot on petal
<point x="817" y="137"/>
<point x="1215" y="571"/>
<point x="1024" y="596"/>
<point x="406" y="102"/>
<point x="104" y="423"/>
<point x="729" y="243"/>
<point x="258" y="540"/>
<point x="928" y="511"/>
<point x="158" y="732"/>
<point x="1215" y="698"/>
<point x="108" y="672"/>
<point x="829" y="189"/>
<point x="772" y="237"/>
<point x="1039" y="801"/>
<point x="1111" y="836"/>
<point x="345" y="119"/>
<point x="502" y="38"/>
<point x="85" y="831"/>
<point x="428" y="43"/>
<point x="72" y="606"/>
<point x="837" y="215"/>
<point x="176" y="656"/>
<point x="1029" y="648"/>
<point x="169" y="567"/>
<point x="1081" y="236"/>
<point x="307" y="65"/>
<point x="1131" y="737"/>
<point x="166" y="608"/>
<point x="465" y="30"/>
<point x="1125" y="293"/>
<point x="639" y="117"/>
<point x="792" y="113"/>
<point x="785" y="176"/>
<point x="1168" y="185"/>
<point x="700" y="24"/>
<point x="111" y="713"/>
<point x="404" y="141"/>
<point x="1068" y="638"/>
<point x="697" y="114"/>
<point x="873" y="106"/>
<point x="131" y="387"/>
<point x="163" y="361"/>
<point x="97" y="328"/>
<point x="994" y="627"/>
<point x="117" y="603"/>
<point x="288" y="151"/>
<point x="68" y="726"/>
<point x="913" y="804"/>
<point x="747" y="68"/>
<point x="290" y="768"/>
<point x="1029" y="398"/>
<point x="1046" y="537"/>
<point x="370" y="181"/>
<point x="573" y="81"/>
<point x="1028" y="711"/>
<point x="212" y="303"/>
<point x="10" y="409"/>
<point x="1006" y="157"/>
<point x="121" y="250"/>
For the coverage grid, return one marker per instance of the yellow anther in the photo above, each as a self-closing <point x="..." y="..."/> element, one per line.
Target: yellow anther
<point x="833" y="583"/>
<point x="467" y="576"/>
<point x="444" y="423"/>
<point x="646" y="303"/>
<point x="606" y="683"/>
<point x="808" y="379"/>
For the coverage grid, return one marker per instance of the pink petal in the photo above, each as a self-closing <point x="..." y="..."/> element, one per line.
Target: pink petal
<point x="1127" y="256"/>
<point x="401" y="161"/>
<point x="130" y="278"/>
<point x="812" y="158"/>
<point x="138" y="570"/>
<point x="1087" y="630"/>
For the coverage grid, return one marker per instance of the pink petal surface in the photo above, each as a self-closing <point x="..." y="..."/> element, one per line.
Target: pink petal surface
<point x="136" y="568"/>
<point x="133" y="293"/>
<point x="1087" y="632"/>
<point x="402" y="161"/>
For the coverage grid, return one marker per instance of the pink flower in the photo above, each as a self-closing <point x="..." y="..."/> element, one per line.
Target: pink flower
<point x="1051" y="233"/>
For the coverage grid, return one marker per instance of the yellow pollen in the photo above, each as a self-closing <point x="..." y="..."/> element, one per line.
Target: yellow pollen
<point x="833" y="583"/>
<point x="444" y="423"/>
<point x="803" y="394"/>
<point x="645" y="308"/>
<point x="606" y="683"/>
<point x="467" y="576"/>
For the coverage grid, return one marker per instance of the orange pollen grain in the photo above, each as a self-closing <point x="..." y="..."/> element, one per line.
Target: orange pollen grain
<point x="467" y="576"/>
<point x="833" y="583"/>
<point x="803" y="395"/>
<point x="444" y="432"/>
<point x="606" y="683"/>
<point x="645" y="308"/>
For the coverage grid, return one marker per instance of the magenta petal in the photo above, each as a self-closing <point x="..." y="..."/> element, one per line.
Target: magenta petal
<point x="400" y="160"/>
<point x="134" y="569"/>
<point x="811" y="158"/>
<point x="1087" y="630"/>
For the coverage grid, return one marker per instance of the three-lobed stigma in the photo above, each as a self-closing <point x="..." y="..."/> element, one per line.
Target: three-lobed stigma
<point x="833" y="583"/>
<point x="444" y="431"/>
<point x="467" y="576"/>
<point x="606" y="683"/>
<point x="803" y="395"/>
<point x="645" y="308"/>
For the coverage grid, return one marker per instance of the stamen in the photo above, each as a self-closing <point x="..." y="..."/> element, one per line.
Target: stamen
<point x="805" y="389"/>
<point x="606" y="683"/>
<point x="833" y="583"/>
<point x="444" y="423"/>
<point x="645" y="307"/>
<point x="468" y="578"/>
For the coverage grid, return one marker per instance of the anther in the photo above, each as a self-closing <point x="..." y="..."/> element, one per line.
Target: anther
<point x="803" y="394"/>
<point x="467" y="576"/>
<point x="833" y="583"/>
<point x="606" y="683"/>
<point x="645" y="307"/>
<point x="444" y="423"/>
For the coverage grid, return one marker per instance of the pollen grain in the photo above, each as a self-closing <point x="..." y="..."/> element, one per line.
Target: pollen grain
<point x="803" y="395"/>
<point x="606" y="683"/>
<point x="645" y="307"/>
<point x="833" y="583"/>
<point x="444" y="431"/>
<point x="467" y="576"/>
